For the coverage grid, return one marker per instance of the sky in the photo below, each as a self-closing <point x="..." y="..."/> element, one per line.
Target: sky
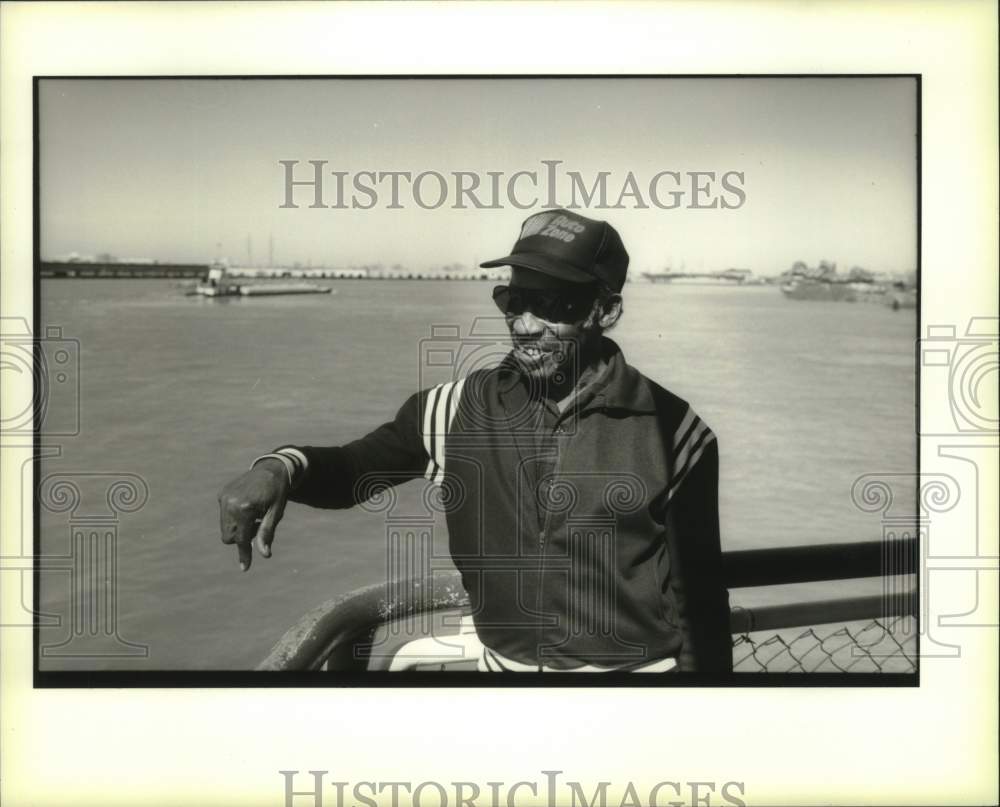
<point x="189" y="170"/>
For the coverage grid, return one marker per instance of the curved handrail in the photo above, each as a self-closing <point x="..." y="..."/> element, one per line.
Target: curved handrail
<point x="331" y="631"/>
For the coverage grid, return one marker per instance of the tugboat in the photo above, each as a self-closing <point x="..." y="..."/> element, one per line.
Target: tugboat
<point x="215" y="284"/>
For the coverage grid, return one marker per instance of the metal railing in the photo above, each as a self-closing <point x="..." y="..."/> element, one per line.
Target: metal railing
<point x="338" y="634"/>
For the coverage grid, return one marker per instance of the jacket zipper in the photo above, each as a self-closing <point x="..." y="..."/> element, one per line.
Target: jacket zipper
<point x="558" y="432"/>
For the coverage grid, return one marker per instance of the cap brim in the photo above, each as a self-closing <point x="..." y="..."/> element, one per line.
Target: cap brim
<point x="543" y="264"/>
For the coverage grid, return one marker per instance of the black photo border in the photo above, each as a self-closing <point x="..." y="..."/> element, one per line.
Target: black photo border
<point x="137" y="679"/>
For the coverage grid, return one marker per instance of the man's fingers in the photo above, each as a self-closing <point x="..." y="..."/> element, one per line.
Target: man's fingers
<point x="265" y="532"/>
<point x="238" y="525"/>
<point x="245" y="548"/>
<point x="237" y="521"/>
<point x="244" y="515"/>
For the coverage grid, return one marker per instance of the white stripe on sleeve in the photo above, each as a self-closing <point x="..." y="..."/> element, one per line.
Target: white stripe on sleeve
<point x="297" y="457"/>
<point x="441" y="421"/>
<point x="428" y="423"/>
<point x="439" y="413"/>
<point x="689" y="417"/>
<point x="693" y="447"/>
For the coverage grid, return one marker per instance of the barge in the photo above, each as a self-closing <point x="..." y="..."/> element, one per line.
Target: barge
<point x="216" y="284"/>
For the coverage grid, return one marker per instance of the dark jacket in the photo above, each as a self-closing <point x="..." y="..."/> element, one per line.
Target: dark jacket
<point x="589" y="537"/>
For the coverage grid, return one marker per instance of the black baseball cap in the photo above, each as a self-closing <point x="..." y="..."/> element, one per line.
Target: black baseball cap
<point x="570" y="247"/>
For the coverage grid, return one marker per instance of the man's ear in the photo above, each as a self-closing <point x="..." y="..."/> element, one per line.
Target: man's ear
<point x="611" y="310"/>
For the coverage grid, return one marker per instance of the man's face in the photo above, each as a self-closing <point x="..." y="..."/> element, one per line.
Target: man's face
<point x="549" y="320"/>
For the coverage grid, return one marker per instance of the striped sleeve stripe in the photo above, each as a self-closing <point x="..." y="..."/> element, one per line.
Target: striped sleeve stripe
<point x="454" y="401"/>
<point x="428" y="432"/>
<point x="682" y="459"/>
<point x="492" y="664"/>
<point x="684" y="429"/>
<point x="446" y="416"/>
<point x="440" y="425"/>
<point x="297" y="457"/>
<point x="439" y="413"/>
<point x="295" y="463"/>
<point x="690" y="441"/>
<point x="289" y="465"/>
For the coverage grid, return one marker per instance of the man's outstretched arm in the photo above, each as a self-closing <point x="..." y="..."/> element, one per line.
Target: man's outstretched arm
<point x="251" y="505"/>
<point x="342" y="476"/>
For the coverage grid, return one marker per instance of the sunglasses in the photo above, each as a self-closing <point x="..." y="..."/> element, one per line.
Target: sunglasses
<point x="550" y="305"/>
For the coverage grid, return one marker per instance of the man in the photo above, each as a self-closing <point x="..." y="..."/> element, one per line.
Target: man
<point x="582" y="498"/>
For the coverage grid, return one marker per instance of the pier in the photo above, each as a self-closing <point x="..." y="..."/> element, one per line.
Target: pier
<point x="113" y="270"/>
<point x="126" y="269"/>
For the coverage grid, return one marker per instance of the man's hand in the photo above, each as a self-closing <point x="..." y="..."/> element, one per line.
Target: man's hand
<point x="250" y="508"/>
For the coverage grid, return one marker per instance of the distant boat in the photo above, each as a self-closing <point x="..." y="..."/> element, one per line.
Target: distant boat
<point x="823" y="283"/>
<point x="900" y="296"/>
<point x="799" y="287"/>
<point x="216" y="284"/>
<point x="805" y="288"/>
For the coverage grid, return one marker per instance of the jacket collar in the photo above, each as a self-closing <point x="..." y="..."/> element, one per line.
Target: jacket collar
<point x="620" y="386"/>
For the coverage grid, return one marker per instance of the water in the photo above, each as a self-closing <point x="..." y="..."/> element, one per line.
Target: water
<point x="184" y="392"/>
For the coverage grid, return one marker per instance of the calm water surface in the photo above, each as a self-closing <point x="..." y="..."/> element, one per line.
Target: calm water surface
<point x="804" y="397"/>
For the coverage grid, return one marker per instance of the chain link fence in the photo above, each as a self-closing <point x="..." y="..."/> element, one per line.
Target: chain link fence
<point x="878" y="645"/>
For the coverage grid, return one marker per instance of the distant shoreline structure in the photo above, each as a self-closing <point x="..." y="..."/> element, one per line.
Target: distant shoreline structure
<point x="89" y="268"/>
<point x="155" y="270"/>
<point x="95" y="269"/>
<point x="106" y="270"/>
